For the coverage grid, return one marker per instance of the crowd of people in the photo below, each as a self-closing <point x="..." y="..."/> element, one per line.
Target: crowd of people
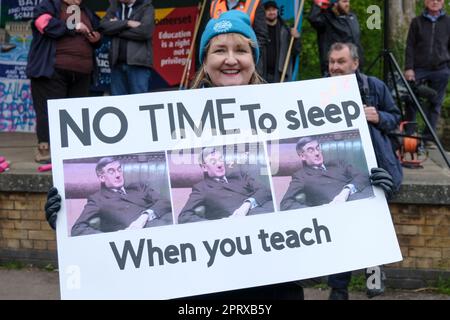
<point x="254" y="46"/>
<point x="61" y="59"/>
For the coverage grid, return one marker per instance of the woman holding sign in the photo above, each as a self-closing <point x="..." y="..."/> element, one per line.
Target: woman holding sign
<point x="229" y="53"/>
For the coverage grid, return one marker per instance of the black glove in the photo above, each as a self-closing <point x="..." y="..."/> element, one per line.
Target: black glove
<point x="381" y="178"/>
<point x="52" y="206"/>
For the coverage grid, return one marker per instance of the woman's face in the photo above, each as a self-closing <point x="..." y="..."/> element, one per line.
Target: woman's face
<point x="229" y="60"/>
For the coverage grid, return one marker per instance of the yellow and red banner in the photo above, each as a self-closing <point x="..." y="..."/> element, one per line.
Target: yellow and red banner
<point x="172" y="40"/>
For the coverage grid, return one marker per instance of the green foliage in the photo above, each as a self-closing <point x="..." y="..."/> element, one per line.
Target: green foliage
<point x="371" y="39"/>
<point x="49" y="267"/>
<point x="358" y="283"/>
<point x="443" y="285"/>
<point x="18" y="265"/>
<point x="13" y="265"/>
<point x="309" y="57"/>
<point x="321" y="286"/>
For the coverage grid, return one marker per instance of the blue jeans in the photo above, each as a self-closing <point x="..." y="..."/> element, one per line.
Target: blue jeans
<point x="126" y="79"/>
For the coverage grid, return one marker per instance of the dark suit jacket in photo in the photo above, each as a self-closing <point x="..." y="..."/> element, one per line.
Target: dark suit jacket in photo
<point x="221" y="199"/>
<point x="117" y="211"/>
<point x="321" y="186"/>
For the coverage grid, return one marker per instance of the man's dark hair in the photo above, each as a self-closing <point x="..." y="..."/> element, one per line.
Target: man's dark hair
<point x="103" y="162"/>
<point x="302" y="142"/>
<point x="270" y="4"/>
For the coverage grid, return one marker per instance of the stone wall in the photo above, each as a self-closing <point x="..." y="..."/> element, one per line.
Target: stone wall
<point x="423" y="231"/>
<point x="25" y="235"/>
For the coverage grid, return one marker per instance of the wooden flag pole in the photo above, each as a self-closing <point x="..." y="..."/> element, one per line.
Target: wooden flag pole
<point x="187" y="66"/>
<point x="291" y="44"/>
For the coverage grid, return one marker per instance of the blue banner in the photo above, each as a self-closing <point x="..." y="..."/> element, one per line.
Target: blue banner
<point x="16" y="107"/>
<point x="288" y="9"/>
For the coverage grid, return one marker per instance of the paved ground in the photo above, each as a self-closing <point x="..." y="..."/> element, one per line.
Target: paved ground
<point x="29" y="284"/>
<point x="36" y="284"/>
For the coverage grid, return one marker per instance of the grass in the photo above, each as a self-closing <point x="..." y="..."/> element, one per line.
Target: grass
<point x="358" y="283"/>
<point x="18" y="265"/>
<point x="321" y="286"/>
<point x="49" y="268"/>
<point x="443" y="286"/>
<point x="13" y="265"/>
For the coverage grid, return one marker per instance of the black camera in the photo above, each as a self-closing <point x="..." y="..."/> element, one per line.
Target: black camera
<point x="421" y="90"/>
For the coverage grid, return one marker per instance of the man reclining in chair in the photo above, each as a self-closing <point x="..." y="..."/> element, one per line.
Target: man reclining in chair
<point x="115" y="207"/>
<point x="221" y="195"/>
<point x="316" y="184"/>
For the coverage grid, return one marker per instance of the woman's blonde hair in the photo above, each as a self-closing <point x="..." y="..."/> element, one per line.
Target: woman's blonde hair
<point x="202" y="79"/>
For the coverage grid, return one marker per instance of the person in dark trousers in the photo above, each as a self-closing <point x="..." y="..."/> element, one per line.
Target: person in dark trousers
<point x="277" y="47"/>
<point x="428" y="57"/>
<point x="60" y="61"/>
<point x="334" y="22"/>
<point x="383" y="117"/>
<point x="130" y="24"/>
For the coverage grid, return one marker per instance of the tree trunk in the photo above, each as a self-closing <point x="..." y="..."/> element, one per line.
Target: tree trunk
<point x="409" y="7"/>
<point x="395" y="20"/>
<point x="401" y="12"/>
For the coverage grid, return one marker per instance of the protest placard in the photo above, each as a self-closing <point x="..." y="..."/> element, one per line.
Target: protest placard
<point x="217" y="178"/>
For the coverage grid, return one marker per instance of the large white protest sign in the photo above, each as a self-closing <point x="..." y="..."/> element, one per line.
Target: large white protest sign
<point x="265" y="222"/>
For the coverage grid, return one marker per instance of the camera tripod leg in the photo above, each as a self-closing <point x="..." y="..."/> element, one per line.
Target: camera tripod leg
<point x="392" y="60"/>
<point x="389" y="59"/>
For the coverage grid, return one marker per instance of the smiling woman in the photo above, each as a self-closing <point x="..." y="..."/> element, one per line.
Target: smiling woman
<point x="230" y="60"/>
<point x="228" y="52"/>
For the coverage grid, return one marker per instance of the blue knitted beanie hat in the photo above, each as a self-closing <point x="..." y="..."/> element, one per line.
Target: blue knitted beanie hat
<point x="233" y="21"/>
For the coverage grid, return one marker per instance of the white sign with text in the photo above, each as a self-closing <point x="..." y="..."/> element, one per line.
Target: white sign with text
<point x="165" y="132"/>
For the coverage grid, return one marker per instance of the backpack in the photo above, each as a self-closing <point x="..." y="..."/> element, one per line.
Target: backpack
<point x="383" y="143"/>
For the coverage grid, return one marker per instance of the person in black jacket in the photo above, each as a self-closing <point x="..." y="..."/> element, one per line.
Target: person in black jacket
<point x="279" y="38"/>
<point x="428" y="56"/>
<point x="130" y="24"/>
<point x="60" y="61"/>
<point x="334" y="22"/>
